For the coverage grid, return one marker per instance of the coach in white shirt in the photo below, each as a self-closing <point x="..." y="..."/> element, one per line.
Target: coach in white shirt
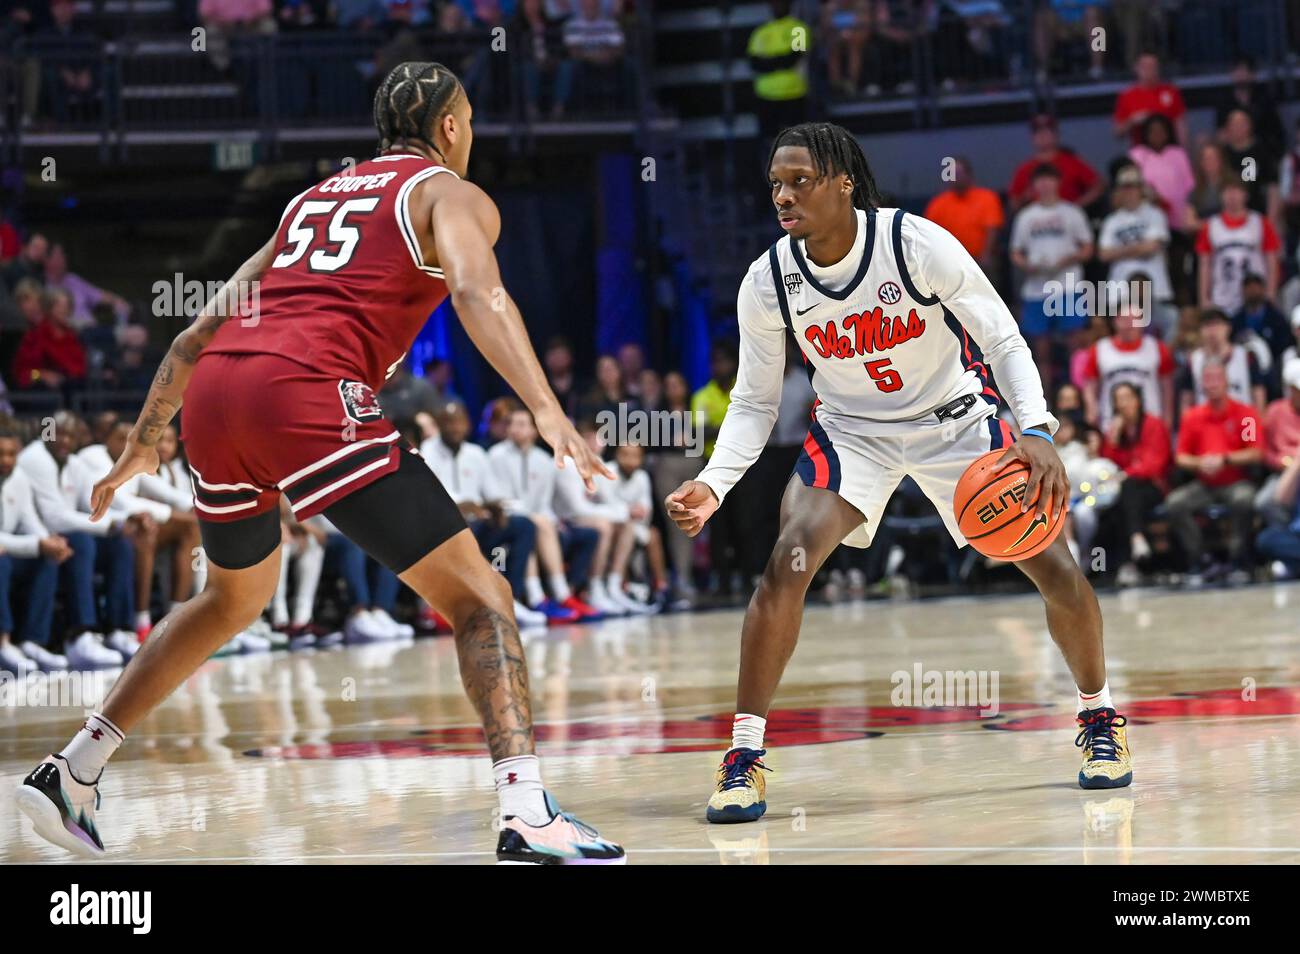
<point x="29" y="561"/>
<point x="61" y="483"/>
<point x="523" y="478"/>
<point x="167" y="523"/>
<point x="463" y="469"/>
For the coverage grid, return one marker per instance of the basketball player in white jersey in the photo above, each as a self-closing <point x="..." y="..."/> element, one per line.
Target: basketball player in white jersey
<point x="896" y="323"/>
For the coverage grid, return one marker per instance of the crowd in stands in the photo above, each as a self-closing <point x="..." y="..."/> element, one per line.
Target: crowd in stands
<point x="569" y="52"/>
<point x="1160" y="299"/>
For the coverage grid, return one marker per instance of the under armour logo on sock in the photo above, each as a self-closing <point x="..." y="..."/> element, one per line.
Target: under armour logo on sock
<point x="511" y="778"/>
<point x="95" y="734"/>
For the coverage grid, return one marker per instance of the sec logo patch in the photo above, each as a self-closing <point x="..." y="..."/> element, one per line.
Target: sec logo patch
<point x="889" y="293"/>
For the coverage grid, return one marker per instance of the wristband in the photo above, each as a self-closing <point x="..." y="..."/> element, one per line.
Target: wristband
<point x="1035" y="432"/>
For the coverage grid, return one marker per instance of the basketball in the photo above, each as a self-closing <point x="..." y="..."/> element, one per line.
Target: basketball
<point x="987" y="504"/>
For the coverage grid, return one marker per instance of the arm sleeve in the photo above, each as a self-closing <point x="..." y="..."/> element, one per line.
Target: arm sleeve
<point x="948" y="272"/>
<point x="757" y="394"/>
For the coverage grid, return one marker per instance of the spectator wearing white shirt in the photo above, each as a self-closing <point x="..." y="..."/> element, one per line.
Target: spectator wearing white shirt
<point x="633" y="487"/>
<point x="462" y="468"/>
<point x="1050" y="241"/>
<point x="610" y="517"/>
<point x="29" y="564"/>
<point x="167" y="525"/>
<point x="61" y="483"/>
<point x="1132" y="240"/>
<point x="523" y="478"/>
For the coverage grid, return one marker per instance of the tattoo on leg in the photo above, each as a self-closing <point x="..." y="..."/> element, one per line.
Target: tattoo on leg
<point x="495" y="675"/>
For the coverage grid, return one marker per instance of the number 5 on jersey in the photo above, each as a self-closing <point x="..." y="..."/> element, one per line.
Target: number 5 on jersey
<point x="886" y="378"/>
<point x="338" y="233"/>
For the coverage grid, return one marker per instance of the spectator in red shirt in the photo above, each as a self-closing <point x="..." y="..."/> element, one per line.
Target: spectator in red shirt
<point x="1138" y="442"/>
<point x="1080" y="183"/>
<point x="1281" y="444"/>
<point x="50" y="355"/>
<point x="1217" y="441"/>
<point x="1146" y="97"/>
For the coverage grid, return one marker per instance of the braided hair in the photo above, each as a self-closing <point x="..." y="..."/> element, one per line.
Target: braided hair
<point x="834" y="150"/>
<point x="411" y="100"/>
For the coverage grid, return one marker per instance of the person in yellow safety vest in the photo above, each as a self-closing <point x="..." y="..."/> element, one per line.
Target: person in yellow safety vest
<point x="778" y="51"/>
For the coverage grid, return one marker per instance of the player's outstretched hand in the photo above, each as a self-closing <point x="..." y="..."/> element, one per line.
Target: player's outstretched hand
<point x="691" y="505"/>
<point x="1048" y="485"/>
<point x="558" y="431"/>
<point x="135" y="459"/>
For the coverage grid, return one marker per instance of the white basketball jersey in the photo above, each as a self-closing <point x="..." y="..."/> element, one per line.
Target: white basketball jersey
<point x="878" y="349"/>
<point x="1234" y="254"/>
<point x="1138" y="366"/>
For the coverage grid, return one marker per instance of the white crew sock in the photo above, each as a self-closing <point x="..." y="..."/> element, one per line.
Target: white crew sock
<point x="533" y="589"/>
<point x="559" y="587"/>
<point x="614" y="584"/>
<point x="519" y="789"/>
<point x="596" y="590"/>
<point x="747" y="731"/>
<point x="91" y="748"/>
<point x="1096" y="700"/>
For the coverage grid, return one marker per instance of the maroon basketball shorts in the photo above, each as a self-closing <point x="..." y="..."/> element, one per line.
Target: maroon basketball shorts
<point x="256" y="426"/>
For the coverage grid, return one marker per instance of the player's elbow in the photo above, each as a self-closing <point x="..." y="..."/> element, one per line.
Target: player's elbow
<point x="475" y="298"/>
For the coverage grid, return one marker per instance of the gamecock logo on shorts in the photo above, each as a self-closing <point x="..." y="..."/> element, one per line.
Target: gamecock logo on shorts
<point x="359" y="402"/>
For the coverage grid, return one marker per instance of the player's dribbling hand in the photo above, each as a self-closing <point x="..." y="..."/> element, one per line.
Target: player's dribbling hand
<point x="558" y="431"/>
<point x="135" y="459"/>
<point x="691" y="505"/>
<point x="1048" y="485"/>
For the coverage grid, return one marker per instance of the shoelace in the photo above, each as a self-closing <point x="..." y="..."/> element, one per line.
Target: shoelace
<point x="1099" y="734"/>
<point x="586" y="830"/>
<point x="738" y="767"/>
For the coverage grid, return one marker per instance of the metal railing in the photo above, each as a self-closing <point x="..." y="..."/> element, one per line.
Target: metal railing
<point x="270" y="84"/>
<point x="932" y="51"/>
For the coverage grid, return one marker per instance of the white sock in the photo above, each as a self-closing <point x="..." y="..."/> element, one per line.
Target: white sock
<point x="534" y="591"/>
<point x="614" y="584"/>
<point x="747" y="731"/>
<point x="519" y="789"/>
<point x="559" y="587"/>
<point x="596" y="590"/>
<point x="143" y="620"/>
<point x="91" y="748"/>
<point x="1096" y="700"/>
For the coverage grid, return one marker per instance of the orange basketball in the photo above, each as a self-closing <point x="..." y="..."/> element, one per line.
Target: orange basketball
<point x="987" y="504"/>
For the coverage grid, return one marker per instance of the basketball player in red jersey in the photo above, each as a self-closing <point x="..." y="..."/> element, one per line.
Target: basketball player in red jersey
<point x="282" y="402"/>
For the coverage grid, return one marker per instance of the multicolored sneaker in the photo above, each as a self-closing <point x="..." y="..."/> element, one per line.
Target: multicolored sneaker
<point x="564" y="840"/>
<point x="742" y="789"/>
<point x="61" y="808"/>
<point x="1107" y="762"/>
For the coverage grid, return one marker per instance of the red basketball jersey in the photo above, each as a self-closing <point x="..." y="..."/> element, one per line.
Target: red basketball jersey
<point x="348" y="289"/>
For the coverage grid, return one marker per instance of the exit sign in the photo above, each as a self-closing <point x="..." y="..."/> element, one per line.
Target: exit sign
<point x="234" y="154"/>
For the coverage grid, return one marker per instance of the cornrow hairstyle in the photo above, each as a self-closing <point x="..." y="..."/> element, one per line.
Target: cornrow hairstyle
<point x="834" y="151"/>
<point x="412" y="98"/>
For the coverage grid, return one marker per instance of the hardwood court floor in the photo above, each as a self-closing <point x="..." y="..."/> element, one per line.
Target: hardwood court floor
<point x="372" y="754"/>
